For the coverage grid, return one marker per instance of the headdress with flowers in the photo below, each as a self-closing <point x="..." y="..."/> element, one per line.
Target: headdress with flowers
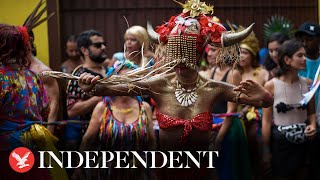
<point x="194" y="10"/>
<point x="193" y="29"/>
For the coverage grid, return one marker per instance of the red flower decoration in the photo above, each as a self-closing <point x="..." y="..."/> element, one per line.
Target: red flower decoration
<point x="165" y="29"/>
<point x="208" y="27"/>
<point x="212" y="28"/>
<point x="171" y="22"/>
<point x="24" y="32"/>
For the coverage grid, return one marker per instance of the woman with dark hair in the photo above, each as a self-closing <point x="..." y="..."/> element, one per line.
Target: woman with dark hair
<point x="23" y="104"/>
<point x="285" y="131"/>
<point x="272" y="61"/>
<point x="210" y="55"/>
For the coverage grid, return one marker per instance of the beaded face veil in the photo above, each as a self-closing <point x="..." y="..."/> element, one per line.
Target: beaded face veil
<point x="187" y="34"/>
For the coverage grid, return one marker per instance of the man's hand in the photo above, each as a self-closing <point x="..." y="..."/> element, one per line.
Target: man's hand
<point x="254" y="93"/>
<point x="88" y="81"/>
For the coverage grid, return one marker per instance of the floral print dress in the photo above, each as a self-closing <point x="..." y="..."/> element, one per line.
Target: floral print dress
<point x="23" y="102"/>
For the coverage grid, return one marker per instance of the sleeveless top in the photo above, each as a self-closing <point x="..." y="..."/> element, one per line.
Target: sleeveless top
<point x="115" y="135"/>
<point x="220" y="106"/>
<point x="289" y="94"/>
<point x="202" y="122"/>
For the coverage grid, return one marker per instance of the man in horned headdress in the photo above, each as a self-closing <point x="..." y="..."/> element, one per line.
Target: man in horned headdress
<point x="184" y="98"/>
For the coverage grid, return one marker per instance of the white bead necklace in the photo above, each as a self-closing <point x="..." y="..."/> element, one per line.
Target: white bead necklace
<point x="186" y="97"/>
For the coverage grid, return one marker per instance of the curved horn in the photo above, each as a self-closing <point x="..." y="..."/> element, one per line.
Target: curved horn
<point x="233" y="38"/>
<point x="153" y="35"/>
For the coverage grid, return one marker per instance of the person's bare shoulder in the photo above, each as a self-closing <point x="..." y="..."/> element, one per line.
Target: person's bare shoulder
<point x="66" y="63"/>
<point x="100" y="106"/>
<point x="269" y="85"/>
<point x="264" y="74"/>
<point x="38" y="67"/>
<point x="309" y="81"/>
<point x="161" y="79"/>
<point x="206" y="73"/>
<point x="146" y="106"/>
<point x="208" y="85"/>
<point x="234" y="77"/>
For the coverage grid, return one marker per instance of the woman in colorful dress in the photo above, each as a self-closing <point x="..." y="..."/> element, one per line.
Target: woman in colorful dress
<point x="23" y="105"/>
<point x="120" y="123"/>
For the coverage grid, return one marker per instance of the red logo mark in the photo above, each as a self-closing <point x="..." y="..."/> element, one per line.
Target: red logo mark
<point x="21" y="159"/>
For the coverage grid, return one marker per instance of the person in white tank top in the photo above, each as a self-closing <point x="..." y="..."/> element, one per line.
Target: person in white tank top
<point x="284" y="128"/>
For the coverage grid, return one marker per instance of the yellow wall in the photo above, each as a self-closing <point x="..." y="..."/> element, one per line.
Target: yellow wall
<point x="15" y="12"/>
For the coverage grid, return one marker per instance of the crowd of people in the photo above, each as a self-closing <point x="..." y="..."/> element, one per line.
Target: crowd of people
<point x="201" y="89"/>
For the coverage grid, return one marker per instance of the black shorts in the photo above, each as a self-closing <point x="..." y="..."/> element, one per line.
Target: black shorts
<point x="287" y="157"/>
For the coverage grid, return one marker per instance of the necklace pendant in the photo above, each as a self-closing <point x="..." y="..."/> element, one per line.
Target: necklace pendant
<point x="186" y="97"/>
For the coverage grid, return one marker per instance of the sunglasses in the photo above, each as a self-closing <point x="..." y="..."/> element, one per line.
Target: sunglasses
<point x="98" y="44"/>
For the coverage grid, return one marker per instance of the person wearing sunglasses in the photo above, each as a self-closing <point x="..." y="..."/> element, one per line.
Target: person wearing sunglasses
<point x="92" y="48"/>
<point x="287" y="126"/>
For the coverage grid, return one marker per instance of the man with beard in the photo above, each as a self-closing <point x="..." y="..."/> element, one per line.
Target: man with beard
<point x="73" y="55"/>
<point x="91" y="46"/>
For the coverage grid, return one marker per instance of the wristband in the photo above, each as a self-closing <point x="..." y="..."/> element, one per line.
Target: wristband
<point x="267" y="98"/>
<point x="238" y="97"/>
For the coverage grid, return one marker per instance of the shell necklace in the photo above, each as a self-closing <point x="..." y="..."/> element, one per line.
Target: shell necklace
<point x="186" y="97"/>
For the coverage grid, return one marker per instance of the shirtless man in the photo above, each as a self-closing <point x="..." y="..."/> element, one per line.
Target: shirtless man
<point x="74" y="59"/>
<point x="50" y="84"/>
